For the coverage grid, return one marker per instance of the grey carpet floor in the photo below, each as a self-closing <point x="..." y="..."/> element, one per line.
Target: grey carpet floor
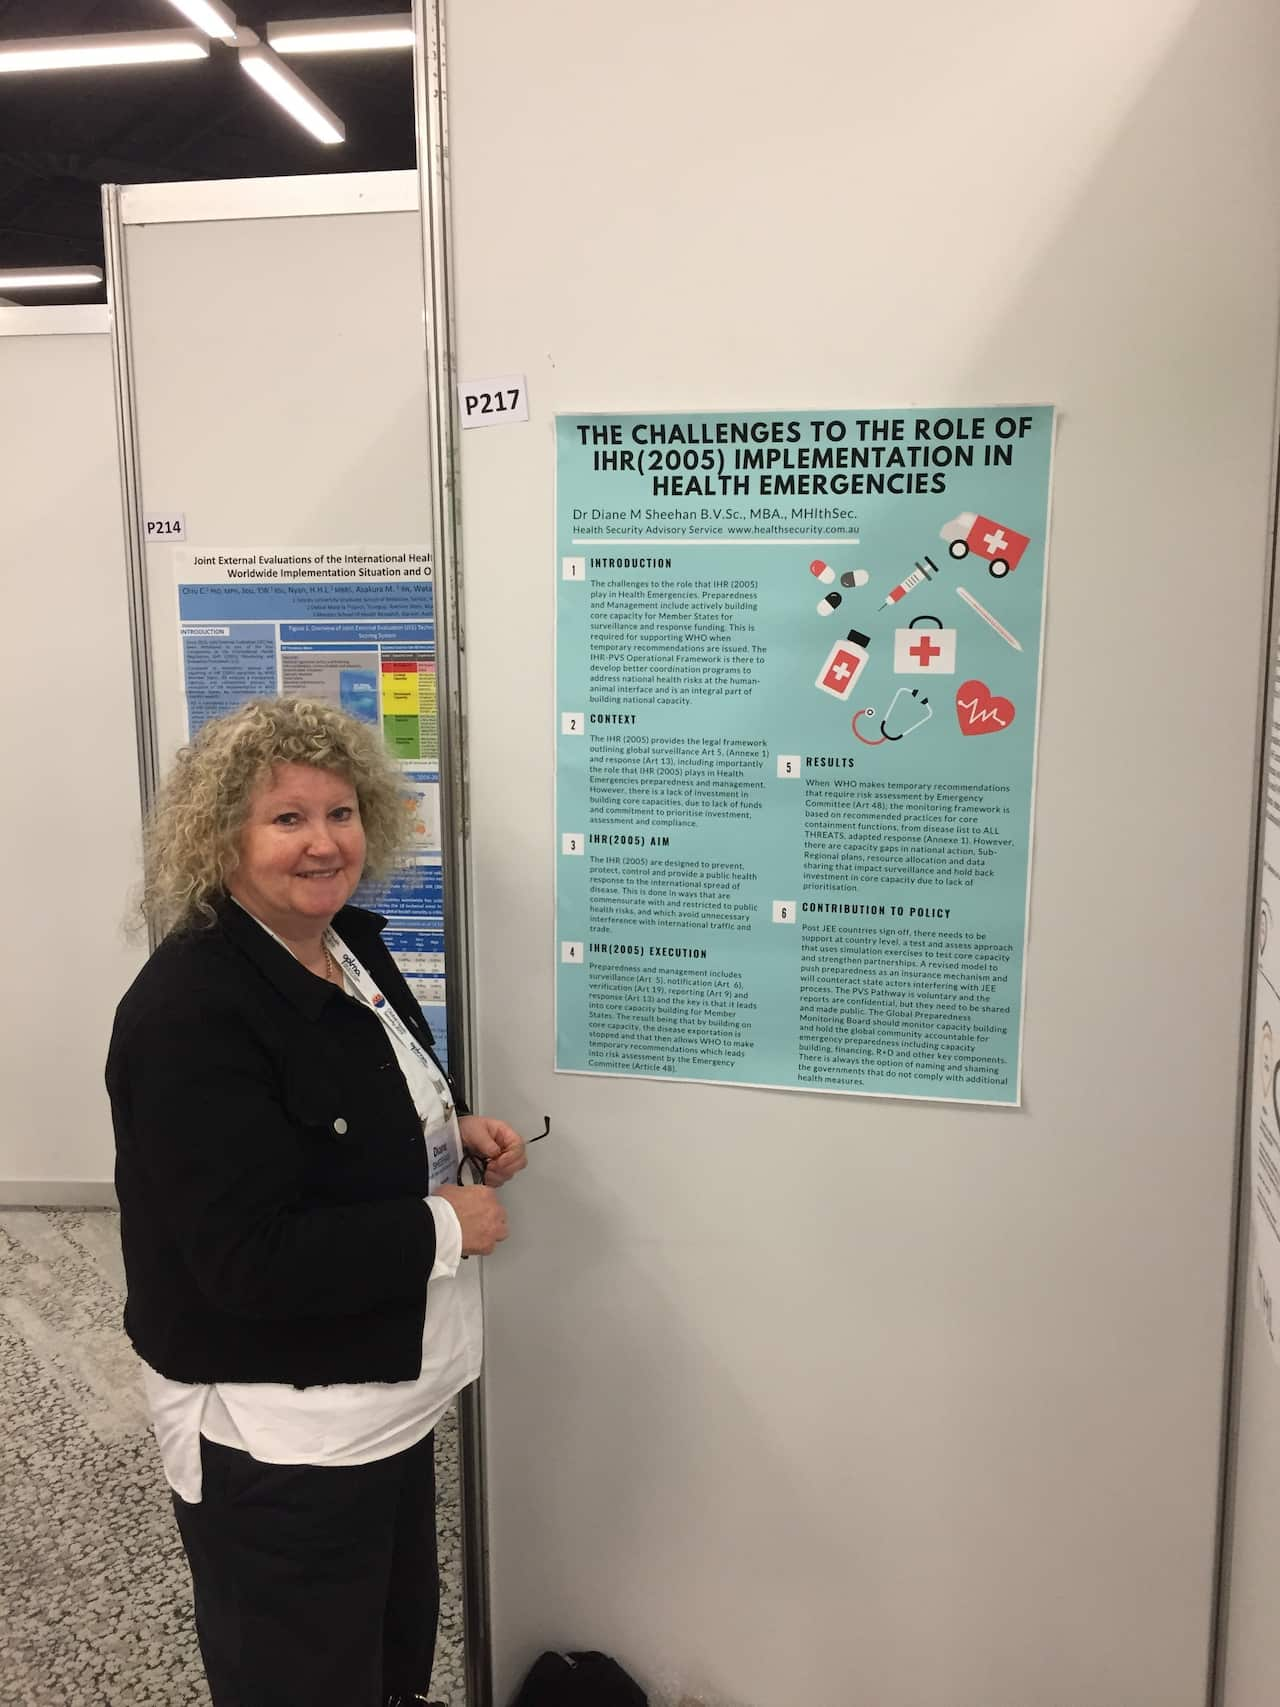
<point x="95" y="1600"/>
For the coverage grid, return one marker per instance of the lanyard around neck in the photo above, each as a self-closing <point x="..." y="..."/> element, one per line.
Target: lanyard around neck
<point x="361" y="979"/>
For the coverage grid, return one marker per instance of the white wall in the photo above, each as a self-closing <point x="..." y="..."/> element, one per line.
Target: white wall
<point x="69" y="854"/>
<point x="929" y="1415"/>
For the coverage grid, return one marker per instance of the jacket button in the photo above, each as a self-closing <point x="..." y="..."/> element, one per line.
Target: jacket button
<point x="340" y="1126"/>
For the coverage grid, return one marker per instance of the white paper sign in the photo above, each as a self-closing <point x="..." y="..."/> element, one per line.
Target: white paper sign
<point x="493" y="402"/>
<point x="167" y="528"/>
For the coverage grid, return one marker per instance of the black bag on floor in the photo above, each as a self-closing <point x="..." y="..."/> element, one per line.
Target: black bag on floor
<point x="579" y="1680"/>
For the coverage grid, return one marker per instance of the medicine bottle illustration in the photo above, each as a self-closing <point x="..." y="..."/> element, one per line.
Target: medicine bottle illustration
<point x="845" y="659"/>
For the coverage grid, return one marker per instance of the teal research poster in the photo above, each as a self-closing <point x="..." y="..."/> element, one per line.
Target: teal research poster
<point x="797" y="680"/>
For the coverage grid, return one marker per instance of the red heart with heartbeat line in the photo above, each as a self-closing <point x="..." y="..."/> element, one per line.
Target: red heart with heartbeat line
<point x="981" y="712"/>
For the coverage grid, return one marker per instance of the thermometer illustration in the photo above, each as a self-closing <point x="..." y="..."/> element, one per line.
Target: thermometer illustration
<point x="922" y="572"/>
<point x="990" y="621"/>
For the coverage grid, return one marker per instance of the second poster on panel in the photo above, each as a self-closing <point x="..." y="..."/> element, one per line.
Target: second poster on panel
<point x="355" y="628"/>
<point x="798" y="673"/>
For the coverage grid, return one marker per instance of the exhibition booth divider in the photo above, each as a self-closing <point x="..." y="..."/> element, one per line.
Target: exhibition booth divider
<point x="889" y="1315"/>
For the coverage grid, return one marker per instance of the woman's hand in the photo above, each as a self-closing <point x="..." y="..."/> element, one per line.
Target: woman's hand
<point x="499" y="1146"/>
<point x="482" y="1218"/>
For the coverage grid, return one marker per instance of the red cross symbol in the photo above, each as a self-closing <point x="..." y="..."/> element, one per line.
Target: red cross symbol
<point x="925" y="649"/>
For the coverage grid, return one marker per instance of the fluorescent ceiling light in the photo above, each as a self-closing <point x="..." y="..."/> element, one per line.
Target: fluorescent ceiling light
<point x="291" y="93"/>
<point x="342" y="35"/>
<point x="48" y="278"/>
<point x="126" y="47"/>
<point x="211" y="16"/>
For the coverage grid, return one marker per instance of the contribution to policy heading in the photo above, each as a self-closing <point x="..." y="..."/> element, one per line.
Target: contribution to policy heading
<point x="798" y="670"/>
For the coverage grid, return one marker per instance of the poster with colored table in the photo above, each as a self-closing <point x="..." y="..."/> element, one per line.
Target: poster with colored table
<point x="797" y="684"/>
<point x="355" y="628"/>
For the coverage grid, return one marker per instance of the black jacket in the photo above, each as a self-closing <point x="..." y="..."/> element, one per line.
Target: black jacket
<point x="269" y="1164"/>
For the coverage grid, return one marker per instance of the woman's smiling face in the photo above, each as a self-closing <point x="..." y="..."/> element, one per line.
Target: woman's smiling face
<point x="301" y="849"/>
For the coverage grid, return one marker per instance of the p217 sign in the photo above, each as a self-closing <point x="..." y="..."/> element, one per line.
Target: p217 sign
<point x="493" y="402"/>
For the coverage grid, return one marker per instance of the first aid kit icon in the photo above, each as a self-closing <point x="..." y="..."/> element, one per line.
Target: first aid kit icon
<point x="924" y="651"/>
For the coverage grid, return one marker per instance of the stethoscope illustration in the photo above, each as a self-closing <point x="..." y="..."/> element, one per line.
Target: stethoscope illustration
<point x="921" y="705"/>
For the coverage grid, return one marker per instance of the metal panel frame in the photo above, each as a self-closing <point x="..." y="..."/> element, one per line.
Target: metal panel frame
<point x="269" y="198"/>
<point x="50" y="320"/>
<point x="1242" y="1212"/>
<point x="131" y="502"/>
<point x="432" y="119"/>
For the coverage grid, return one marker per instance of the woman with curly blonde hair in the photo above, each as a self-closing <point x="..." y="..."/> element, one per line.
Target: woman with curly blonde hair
<point x="289" y="1157"/>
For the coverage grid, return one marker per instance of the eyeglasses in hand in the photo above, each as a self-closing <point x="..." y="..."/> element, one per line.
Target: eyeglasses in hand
<point x="472" y="1168"/>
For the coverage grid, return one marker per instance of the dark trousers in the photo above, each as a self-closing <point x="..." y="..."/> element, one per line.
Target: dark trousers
<point x="314" y="1587"/>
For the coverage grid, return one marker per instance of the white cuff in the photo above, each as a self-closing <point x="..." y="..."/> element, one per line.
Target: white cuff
<point x="448" y="1239"/>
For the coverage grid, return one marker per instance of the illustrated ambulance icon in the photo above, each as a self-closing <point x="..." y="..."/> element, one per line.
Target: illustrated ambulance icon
<point x="924" y="651"/>
<point x="981" y="712"/>
<point x="1002" y="547"/>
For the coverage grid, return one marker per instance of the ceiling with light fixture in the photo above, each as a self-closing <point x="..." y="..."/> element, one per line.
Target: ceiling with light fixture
<point x="63" y="134"/>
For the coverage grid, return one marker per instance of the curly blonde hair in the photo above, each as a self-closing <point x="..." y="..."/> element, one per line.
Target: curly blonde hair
<point x="192" y="838"/>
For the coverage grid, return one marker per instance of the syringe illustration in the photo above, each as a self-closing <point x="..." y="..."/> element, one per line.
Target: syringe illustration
<point x="924" y="571"/>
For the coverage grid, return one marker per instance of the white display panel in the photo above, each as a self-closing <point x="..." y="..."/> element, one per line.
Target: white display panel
<point x="279" y="401"/>
<point x="277" y="366"/>
<point x="69" y="758"/>
<point x="795" y="1399"/>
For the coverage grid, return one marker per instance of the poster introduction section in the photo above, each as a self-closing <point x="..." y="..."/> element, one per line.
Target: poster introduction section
<point x="798" y="673"/>
<point x="355" y="628"/>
